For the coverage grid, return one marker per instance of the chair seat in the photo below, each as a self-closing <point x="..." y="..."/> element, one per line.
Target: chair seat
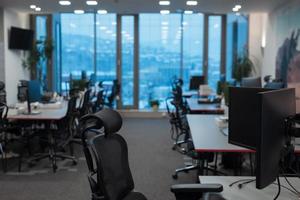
<point x="135" y="196"/>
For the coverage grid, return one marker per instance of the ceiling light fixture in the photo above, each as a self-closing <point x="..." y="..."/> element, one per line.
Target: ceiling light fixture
<point x="38" y="9"/>
<point x="235" y="9"/>
<point x="92" y="3"/>
<point x="32" y="6"/>
<point x="164" y="12"/>
<point x="79" y="12"/>
<point x="164" y="3"/>
<point x="65" y="3"/>
<point x="188" y="12"/>
<point x="238" y="6"/>
<point x="192" y="3"/>
<point x="102" y="12"/>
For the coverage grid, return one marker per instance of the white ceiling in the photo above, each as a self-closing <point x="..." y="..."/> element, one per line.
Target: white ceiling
<point x="138" y="6"/>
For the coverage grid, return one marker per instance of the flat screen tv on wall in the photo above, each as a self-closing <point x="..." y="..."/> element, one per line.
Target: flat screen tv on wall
<point x="21" y="39"/>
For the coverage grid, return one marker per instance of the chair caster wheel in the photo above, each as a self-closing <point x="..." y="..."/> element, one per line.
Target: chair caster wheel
<point x="175" y="176"/>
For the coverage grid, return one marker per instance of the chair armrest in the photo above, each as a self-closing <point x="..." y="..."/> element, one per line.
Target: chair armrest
<point x="195" y="188"/>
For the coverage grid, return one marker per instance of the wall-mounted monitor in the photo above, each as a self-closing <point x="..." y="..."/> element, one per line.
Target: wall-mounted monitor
<point x="21" y="39"/>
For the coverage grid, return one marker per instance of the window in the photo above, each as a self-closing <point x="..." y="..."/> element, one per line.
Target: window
<point x="159" y="61"/>
<point x="193" y="31"/>
<point x="77" y="36"/>
<point x="214" y="50"/>
<point x="106" y="51"/>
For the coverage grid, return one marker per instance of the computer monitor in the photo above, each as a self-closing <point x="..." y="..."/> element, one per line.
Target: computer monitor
<point x="274" y="85"/>
<point x="253" y="82"/>
<point x="34" y="91"/>
<point x="244" y="116"/>
<point x="275" y="107"/>
<point x="195" y="81"/>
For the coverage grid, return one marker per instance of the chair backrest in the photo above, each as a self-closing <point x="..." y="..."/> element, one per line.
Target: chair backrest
<point x="115" y="90"/>
<point x="3" y="114"/>
<point x="109" y="152"/>
<point x="86" y="103"/>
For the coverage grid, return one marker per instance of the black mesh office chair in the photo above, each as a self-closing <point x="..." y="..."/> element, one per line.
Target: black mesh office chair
<point x="108" y="150"/>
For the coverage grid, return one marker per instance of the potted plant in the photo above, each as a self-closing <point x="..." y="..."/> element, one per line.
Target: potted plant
<point x="41" y="51"/>
<point x="154" y="104"/>
<point x="242" y="67"/>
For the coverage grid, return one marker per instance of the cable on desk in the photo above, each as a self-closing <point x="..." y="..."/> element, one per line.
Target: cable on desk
<point x="288" y="182"/>
<point x="292" y="191"/>
<point x="241" y="180"/>
<point x="279" y="188"/>
<point x="222" y="130"/>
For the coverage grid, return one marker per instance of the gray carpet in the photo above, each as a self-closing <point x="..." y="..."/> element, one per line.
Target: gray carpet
<point x="151" y="160"/>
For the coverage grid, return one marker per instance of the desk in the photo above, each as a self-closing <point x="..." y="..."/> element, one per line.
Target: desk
<point x="191" y="93"/>
<point x="207" y="137"/>
<point x="48" y="117"/>
<point x="196" y="108"/>
<point x="249" y="192"/>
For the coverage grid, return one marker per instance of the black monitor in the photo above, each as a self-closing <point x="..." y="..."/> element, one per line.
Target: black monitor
<point x="275" y="106"/>
<point x="244" y="116"/>
<point x="253" y="82"/>
<point x="195" y="81"/>
<point x="21" y="39"/>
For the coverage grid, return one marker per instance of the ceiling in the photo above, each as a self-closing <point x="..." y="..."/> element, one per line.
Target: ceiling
<point x="139" y="6"/>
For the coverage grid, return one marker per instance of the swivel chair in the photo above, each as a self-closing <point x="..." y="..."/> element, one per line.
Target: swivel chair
<point x="108" y="150"/>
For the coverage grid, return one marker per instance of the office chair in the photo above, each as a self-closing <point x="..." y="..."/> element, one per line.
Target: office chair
<point x="2" y="92"/>
<point x="115" y="91"/>
<point x="86" y="105"/>
<point x="108" y="150"/>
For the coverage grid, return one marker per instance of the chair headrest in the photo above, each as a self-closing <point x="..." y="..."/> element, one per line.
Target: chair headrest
<point x="109" y="119"/>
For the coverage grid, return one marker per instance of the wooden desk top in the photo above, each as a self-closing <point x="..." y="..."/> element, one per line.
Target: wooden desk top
<point x="249" y="192"/>
<point x="207" y="137"/>
<point x="45" y="115"/>
<point x="196" y="108"/>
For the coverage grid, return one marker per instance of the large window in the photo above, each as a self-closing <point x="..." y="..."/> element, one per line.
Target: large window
<point x="214" y="50"/>
<point x="193" y="34"/>
<point x="77" y="36"/>
<point x="106" y="31"/>
<point x="160" y="38"/>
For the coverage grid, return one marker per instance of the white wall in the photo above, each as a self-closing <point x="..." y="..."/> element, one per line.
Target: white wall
<point x="256" y="32"/>
<point x="13" y="58"/>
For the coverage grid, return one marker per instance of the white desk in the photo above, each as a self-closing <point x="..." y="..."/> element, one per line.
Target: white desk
<point x="207" y="137"/>
<point x="249" y="192"/>
<point x="45" y="115"/>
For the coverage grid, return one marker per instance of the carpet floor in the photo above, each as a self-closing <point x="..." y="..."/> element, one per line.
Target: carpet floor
<point x="152" y="163"/>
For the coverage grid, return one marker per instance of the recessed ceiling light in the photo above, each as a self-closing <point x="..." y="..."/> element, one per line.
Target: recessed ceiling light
<point x="192" y="3"/>
<point x="32" y="6"/>
<point x="164" y="12"/>
<point x="38" y="9"/>
<point x="165" y="23"/>
<point x="65" y="3"/>
<point x="164" y="3"/>
<point x="102" y="12"/>
<point x="92" y="3"/>
<point x="235" y="9"/>
<point x="79" y="12"/>
<point x="238" y="6"/>
<point x="188" y="12"/>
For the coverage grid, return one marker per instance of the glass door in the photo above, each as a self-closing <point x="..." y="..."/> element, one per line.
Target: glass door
<point x="127" y="61"/>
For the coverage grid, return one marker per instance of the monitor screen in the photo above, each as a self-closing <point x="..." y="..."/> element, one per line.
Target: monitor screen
<point x="21" y="39"/>
<point x="244" y="116"/>
<point x="275" y="107"/>
<point x="253" y="82"/>
<point x="195" y="81"/>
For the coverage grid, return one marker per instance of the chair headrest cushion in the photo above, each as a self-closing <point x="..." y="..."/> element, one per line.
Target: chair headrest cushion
<point x="110" y="119"/>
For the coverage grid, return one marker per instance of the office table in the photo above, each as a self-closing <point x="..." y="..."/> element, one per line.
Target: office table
<point x="203" y="108"/>
<point x="48" y="117"/>
<point x="207" y="137"/>
<point x="248" y="191"/>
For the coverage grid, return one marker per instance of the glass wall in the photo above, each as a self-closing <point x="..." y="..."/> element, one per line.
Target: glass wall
<point x="106" y="47"/>
<point x="214" y="50"/>
<point x="159" y="61"/>
<point x="237" y="40"/>
<point x="127" y="54"/>
<point x="77" y="36"/>
<point x="193" y="34"/>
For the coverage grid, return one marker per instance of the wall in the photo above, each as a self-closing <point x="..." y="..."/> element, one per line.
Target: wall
<point x="2" y="72"/>
<point x="13" y="58"/>
<point x="256" y="32"/>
